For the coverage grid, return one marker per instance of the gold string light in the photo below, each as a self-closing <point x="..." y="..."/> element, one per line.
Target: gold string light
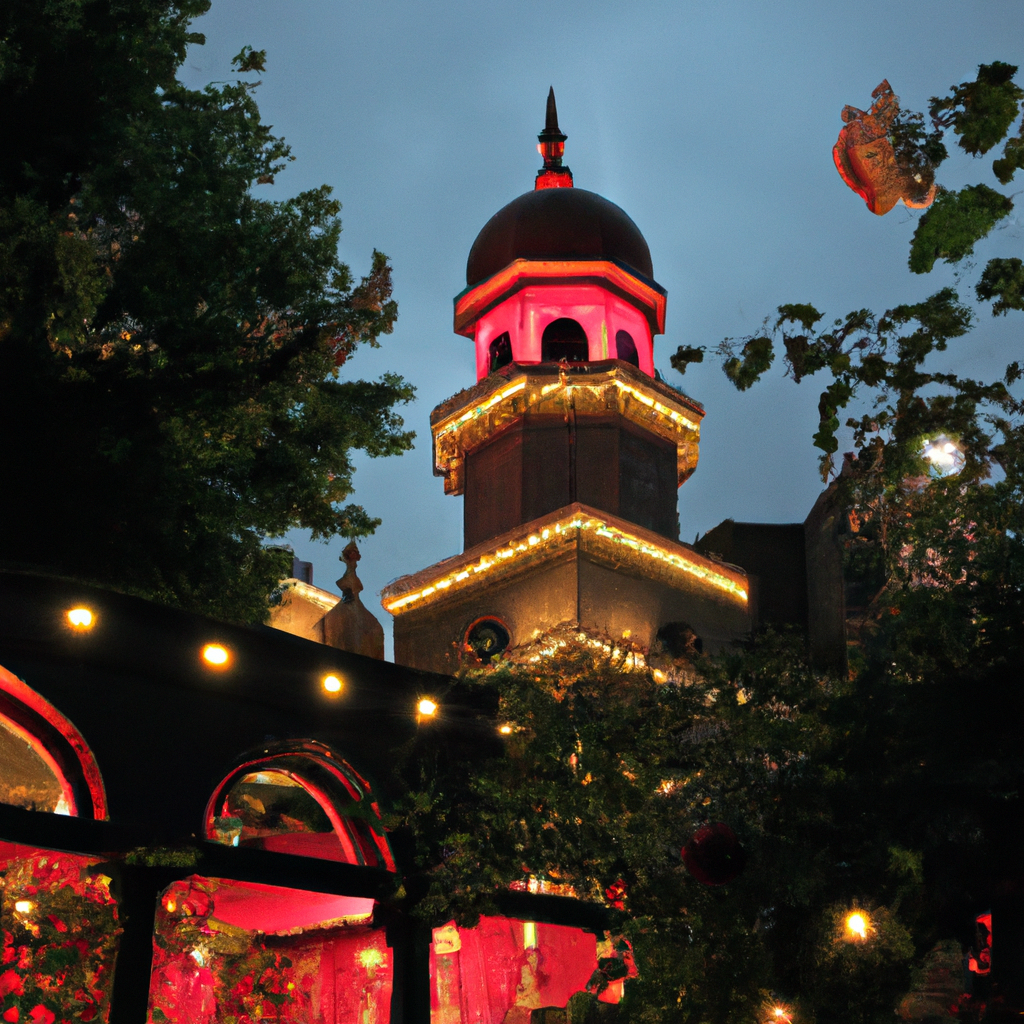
<point x="557" y="533"/>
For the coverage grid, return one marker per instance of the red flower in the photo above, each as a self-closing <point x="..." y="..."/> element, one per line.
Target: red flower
<point x="57" y="923"/>
<point x="243" y="988"/>
<point x="11" y="1015"/>
<point x="11" y="982"/>
<point x="41" y="1015"/>
<point x="616" y="894"/>
<point x="88" y="1013"/>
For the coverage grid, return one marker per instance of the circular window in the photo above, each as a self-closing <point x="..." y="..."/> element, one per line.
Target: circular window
<point x="487" y="638"/>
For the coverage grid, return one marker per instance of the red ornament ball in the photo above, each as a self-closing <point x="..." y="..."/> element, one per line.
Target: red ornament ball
<point x="714" y="855"/>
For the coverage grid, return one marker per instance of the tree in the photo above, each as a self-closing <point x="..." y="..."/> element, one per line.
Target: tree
<point x="608" y="773"/>
<point x="170" y="341"/>
<point x="935" y="547"/>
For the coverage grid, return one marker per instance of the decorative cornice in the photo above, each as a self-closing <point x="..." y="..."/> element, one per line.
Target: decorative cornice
<point x="571" y="530"/>
<point x="646" y="295"/>
<point x="469" y="418"/>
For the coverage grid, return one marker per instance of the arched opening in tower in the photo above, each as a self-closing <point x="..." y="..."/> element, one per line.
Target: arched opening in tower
<point x="564" y="340"/>
<point x="500" y="352"/>
<point x="625" y="348"/>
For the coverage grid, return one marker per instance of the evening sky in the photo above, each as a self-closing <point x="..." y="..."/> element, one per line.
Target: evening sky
<point x="711" y="125"/>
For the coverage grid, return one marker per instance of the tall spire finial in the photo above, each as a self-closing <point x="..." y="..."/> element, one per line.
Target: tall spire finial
<point x="551" y="146"/>
<point x="551" y="120"/>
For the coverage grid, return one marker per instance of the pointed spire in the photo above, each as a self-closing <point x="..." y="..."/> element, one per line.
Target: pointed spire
<point x="551" y="120"/>
<point x="551" y="146"/>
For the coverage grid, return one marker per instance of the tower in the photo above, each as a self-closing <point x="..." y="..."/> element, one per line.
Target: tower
<point x="568" y="449"/>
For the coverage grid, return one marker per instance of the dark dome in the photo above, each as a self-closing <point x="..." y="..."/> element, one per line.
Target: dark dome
<point x="557" y="224"/>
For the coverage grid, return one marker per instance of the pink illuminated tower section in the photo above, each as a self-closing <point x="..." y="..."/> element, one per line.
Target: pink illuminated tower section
<point x="560" y="276"/>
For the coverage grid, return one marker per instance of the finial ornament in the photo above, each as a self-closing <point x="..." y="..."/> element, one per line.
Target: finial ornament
<point x="551" y="146"/>
<point x="349" y="625"/>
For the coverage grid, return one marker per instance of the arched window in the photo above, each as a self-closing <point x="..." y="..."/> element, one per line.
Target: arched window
<point x="564" y="339"/>
<point x="500" y="351"/>
<point x="45" y="764"/>
<point x="625" y="348"/>
<point x="294" y="798"/>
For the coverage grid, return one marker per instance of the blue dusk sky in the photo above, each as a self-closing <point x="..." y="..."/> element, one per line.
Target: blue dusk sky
<point x="711" y="125"/>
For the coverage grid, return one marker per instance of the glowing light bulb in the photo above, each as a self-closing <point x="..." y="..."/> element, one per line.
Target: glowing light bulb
<point x="779" y="1012"/>
<point x="216" y="655"/>
<point x="427" y="708"/>
<point x="24" y="906"/>
<point x="332" y="684"/>
<point x="81" y="618"/>
<point x="505" y="730"/>
<point x="944" y="456"/>
<point x="857" y="925"/>
<point x="370" y="958"/>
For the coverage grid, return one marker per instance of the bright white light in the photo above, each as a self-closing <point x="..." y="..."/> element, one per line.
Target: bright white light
<point x="24" y="906"/>
<point x="216" y="655"/>
<point x="81" y="618"/>
<point x="427" y="707"/>
<point x="944" y="457"/>
<point x="332" y="684"/>
<point x="857" y="925"/>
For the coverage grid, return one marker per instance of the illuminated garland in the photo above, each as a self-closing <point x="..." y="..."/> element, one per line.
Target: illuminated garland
<point x="636" y="398"/>
<point x="557" y="534"/>
<point x="477" y="411"/>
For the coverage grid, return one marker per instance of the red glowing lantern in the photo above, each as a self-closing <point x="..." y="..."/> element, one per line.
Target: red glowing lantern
<point x="867" y="162"/>
<point x="714" y="855"/>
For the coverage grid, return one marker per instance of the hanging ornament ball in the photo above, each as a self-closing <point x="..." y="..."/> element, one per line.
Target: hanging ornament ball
<point x="714" y="855"/>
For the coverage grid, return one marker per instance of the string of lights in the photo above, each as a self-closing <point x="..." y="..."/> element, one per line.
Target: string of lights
<point x="591" y="532"/>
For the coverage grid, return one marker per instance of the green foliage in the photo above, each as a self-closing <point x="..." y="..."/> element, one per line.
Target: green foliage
<point x="1002" y="280"/>
<point x="684" y="355"/>
<point x="171" y="341"/>
<point x="857" y="982"/>
<point x="1012" y="159"/>
<point x="980" y="112"/>
<point x="163" y="856"/>
<point x="756" y="356"/>
<point x="881" y="360"/>
<point x="608" y="773"/>
<point x="916" y="799"/>
<point x="884" y="355"/>
<point x="955" y="221"/>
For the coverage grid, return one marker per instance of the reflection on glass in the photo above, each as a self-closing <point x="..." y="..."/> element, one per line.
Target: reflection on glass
<point x="272" y="811"/>
<point x="26" y="780"/>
